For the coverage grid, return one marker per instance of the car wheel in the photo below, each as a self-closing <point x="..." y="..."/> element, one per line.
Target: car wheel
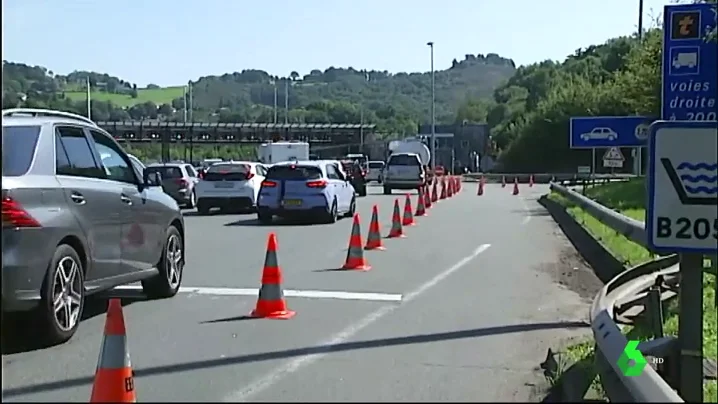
<point x="332" y="214"/>
<point x="387" y="191"/>
<point x="352" y="208"/>
<point x="264" y="217"/>
<point x="167" y="282"/>
<point x="63" y="296"/>
<point x="192" y="200"/>
<point x="202" y="208"/>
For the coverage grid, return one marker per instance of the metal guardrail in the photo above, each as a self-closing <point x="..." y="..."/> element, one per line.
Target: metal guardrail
<point x="545" y="178"/>
<point x="610" y="342"/>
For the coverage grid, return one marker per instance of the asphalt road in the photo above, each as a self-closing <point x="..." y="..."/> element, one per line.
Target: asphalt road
<point x="462" y="309"/>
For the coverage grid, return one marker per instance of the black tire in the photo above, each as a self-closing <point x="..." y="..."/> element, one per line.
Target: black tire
<point x="387" y="191"/>
<point x="264" y="217"/>
<point x="161" y="286"/>
<point x="192" y="201"/>
<point x="352" y="208"/>
<point x="202" y="208"/>
<point x="332" y="214"/>
<point x="51" y="331"/>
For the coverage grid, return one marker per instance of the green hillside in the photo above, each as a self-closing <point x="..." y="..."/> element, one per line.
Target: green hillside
<point x="157" y="96"/>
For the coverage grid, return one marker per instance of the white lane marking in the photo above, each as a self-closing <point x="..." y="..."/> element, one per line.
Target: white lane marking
<point x="312" y="294"/>
<point x="527" y="218"/>
<point x="292" y="366"/>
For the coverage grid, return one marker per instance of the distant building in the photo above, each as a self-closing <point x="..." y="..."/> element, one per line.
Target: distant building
<point x="470" y="140"/>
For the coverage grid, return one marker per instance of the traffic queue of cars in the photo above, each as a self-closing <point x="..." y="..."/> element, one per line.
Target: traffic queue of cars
<point x="79" y="216"/>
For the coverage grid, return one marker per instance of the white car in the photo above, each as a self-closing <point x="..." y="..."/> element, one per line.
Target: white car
<point x="600" y="134"/>
<point x="230" y="185"/>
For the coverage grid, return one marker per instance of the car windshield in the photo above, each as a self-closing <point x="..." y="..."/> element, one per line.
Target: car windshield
<point x="403" y="160"/>
<point x="18" y="149"/>
<point x="293" y="172"/>
<point x="228" y="172"/>
<point x="166" y="172"/>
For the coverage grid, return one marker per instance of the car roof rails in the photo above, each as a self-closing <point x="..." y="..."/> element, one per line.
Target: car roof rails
<point x="45" y="112"/>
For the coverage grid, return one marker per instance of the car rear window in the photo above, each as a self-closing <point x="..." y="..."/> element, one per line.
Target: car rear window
<point x="294" y="173"/>
<point x="403" y="160"/>
<point x="377" y="164"/>
<point x="166" y="172"/>
<point x="18" y="149"/>
<point x="228" y="172"/>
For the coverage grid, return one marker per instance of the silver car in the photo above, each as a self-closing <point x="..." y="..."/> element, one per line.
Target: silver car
<point x="178" y="180"/>
<point x="78" y="217"/>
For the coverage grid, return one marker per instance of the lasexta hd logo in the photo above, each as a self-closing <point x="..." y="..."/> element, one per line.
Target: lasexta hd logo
<point x="631" y="361"/>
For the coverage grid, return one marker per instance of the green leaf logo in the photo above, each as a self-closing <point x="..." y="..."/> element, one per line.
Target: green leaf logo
<point x="631" y="361"/>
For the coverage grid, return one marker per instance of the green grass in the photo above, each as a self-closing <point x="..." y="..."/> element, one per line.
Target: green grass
<point x="159" y="96"/>
<point x="629" y="198"/>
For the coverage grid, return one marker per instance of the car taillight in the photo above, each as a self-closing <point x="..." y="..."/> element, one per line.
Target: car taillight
<point x="317" y="184"/>
<point x="269" y="184"/>
<point x="13" y="215"/>
<point x="249" y="176"/>
<point x="181" y="182"/>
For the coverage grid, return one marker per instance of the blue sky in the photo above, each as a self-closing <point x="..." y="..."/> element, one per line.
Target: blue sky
<point x="169" y="42"/>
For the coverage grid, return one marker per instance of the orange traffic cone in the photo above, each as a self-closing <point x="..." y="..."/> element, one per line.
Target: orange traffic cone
<point x="442" y="195"/>
<point x="270" y="302"/>
<point x="531" y="180"/>
<point x="481" y="189"/>
<point x="503" y="181"/>
<point x="450" y="187"/>
<point x="408" y="219"/>
<point x="114" y="379"/>
<point x="373" y="239"/>
<point x="427" y="197"/>
<point x="420" y="208"/>
<point x="396" y="231"/>
<point x="458" y="183"/>
<point x="516" y="187"/>
<point x="355" y="253"/>
<point x="434" y="193"/>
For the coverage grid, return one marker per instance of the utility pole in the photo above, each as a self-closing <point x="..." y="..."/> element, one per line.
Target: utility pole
<point x="361" y="118"/>
<point x="274" y="85"/>
<point x="89" y="103"/>
<point x="433" y="109"/>
<point x="286" y="101"/>
<point x="184" y="104"/>
<point x="189" y="86"/>
<point x="640" y="19"/>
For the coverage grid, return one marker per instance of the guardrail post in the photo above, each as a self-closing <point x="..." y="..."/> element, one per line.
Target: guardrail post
<point x="690" y="328"/>
<point x="655" y="308"/>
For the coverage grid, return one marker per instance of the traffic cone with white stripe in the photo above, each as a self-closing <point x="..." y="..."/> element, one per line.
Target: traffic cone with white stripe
<point x="420" y="208"/>
<point x="427" y="197"/>
<point x="396" y="231"/>
<point x="434" y="192"/>
<point x="480" y="191"/>
<point x="270" y="302"/>
<point x="373" y="239"/>
<point x="531" y="180"/>
<point x="503" y="181"/>
<point x="408" y="219"/>
<point x="114" y="378"/>
<point x="442" y="195"/>
<point x="355" y="254"/>
<point x="516" y="187"/>
<point x="450" y="187"/>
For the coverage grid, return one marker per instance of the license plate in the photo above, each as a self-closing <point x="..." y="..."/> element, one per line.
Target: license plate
<point x="292" y="202"/>
<point x="223" y="185"/>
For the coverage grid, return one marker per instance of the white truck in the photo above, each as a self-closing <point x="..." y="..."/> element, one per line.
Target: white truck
<point x="411" y="145"/>
<point x="275" y="152"/>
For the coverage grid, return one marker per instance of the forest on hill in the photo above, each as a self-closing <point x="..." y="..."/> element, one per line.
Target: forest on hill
<point x="396" y="102"/>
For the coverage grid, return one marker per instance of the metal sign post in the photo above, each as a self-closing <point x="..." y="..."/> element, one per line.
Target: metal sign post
<point x="682" y="217"/>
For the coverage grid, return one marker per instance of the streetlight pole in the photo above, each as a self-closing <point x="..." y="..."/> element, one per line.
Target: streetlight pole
<point x="286" y="101"/>
<point x="433" y="109"/>
<point x="361" y="119"/>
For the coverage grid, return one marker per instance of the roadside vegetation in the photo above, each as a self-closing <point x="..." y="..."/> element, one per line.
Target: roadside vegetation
<point x="157" y="96"/>
<point x="628" y="198"/>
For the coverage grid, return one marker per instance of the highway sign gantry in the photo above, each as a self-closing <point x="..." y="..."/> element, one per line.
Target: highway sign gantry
<point x="613" y="158"/>
<point x="608" y="131"/>
<point x="682" y="211"/>
<point x="690" y="77"/>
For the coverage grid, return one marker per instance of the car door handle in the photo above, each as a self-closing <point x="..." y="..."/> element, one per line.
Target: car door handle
<point x="77" y="198"/>
<point x="126" y="199"/>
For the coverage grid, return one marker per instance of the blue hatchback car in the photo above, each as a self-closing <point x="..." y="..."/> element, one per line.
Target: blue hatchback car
<point x="297" y="189"/>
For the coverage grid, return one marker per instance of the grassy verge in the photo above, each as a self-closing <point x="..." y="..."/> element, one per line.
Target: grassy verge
<point x="628" y="198"/>
<point x="158" y="96"/>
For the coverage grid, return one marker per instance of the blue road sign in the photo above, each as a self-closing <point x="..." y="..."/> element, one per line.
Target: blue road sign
<point x="690" y="77"/>
<point x="588" y="132"/>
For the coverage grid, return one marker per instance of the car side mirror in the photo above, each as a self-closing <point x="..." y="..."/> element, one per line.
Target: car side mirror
<point x="151" y="179"/>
